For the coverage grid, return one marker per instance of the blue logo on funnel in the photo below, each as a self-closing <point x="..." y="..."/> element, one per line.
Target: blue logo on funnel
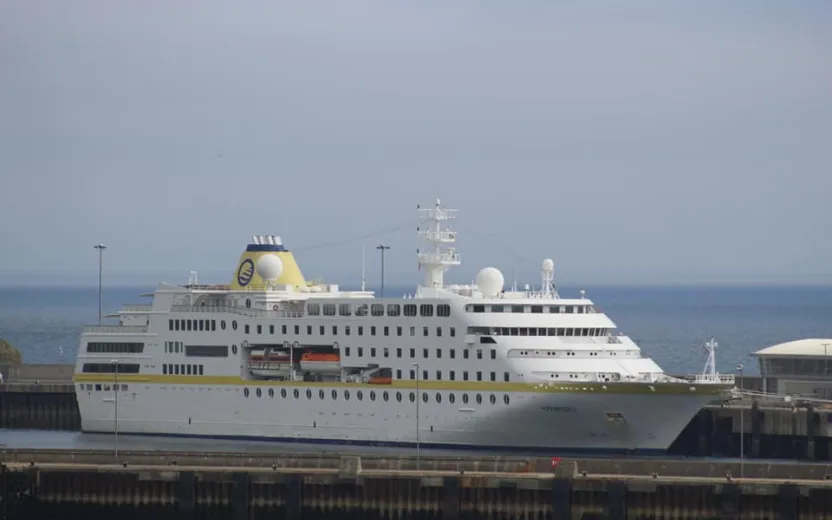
<point x="245" y="272"/>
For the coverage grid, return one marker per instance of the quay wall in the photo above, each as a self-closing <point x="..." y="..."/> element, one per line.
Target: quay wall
<point x="377" y="488"/>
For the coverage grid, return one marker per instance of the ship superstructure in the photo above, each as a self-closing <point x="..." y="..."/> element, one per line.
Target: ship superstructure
<point x="274" y="356"/>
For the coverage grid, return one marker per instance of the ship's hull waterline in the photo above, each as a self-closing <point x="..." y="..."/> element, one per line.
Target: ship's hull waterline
<point x="584" y="421"/>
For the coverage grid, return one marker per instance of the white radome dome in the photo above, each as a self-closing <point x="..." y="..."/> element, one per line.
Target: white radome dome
<point x="269" y="267"/>
<point x="548" y="265"/>
<point x="490" y="282"/>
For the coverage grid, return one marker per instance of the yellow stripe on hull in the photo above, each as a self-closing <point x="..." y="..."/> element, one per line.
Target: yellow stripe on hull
<point x="470" y="386"/>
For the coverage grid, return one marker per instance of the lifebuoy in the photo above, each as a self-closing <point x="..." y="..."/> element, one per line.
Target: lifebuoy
<point x="555" y="462"/>
<point x="275" y="307"/>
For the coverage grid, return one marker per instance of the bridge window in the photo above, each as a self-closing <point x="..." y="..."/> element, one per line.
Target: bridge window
<point x="110" y="368"/>
<point x="377" y="309"/>
<point x="345" y="309"/>
<point x="117" y="347"/>
<point x="394" y="309"/>
<point x="426" y="310"/>
<point x="443" y="310"/>
<point x="313" y="309"/>
<point x="410" y="309"/>
<point x="206" y="350"/>
<point x="329" y="309"/>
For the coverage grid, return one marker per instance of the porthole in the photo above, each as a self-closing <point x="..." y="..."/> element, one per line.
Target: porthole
<point x="412" y="397"/>
<point x="399" y="396"/>
<point x="385" y="395"/>
<point x="259" y="393"/>
<point x="283" y="393"/>
<point x="297" y="393"/>
<point x="234" y="349"/>
<point x="424" y="397"/>
<point x="451" y="398"/>
<point x="438" y="397"/>
<point x="346" y="395"/>
<point x="222" y="324"/>
<point x="234" y="325"/>
<point x="245" y="392"/>
<point x="308" y="394"/>
<point x="506" y="399"/>
<point x="248" y="303"/>
<point x="359" y="395"/>
<point x="465" y="398"/>
<point x="479" y="399"/>
<point x="271" y="392"/>
<point x="334" y="395"/>
<point x="321" y="394"/>
<point x="493" y="399"/>
<point x="372" y="396"/>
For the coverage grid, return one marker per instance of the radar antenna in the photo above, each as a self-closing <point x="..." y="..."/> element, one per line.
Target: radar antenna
<point x="435" y="263"/>
<point x="710" y="364"/>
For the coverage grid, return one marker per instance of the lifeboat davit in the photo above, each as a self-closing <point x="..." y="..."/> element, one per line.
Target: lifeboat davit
<point x="318" y="363"/>
<point x="276" y="364"/>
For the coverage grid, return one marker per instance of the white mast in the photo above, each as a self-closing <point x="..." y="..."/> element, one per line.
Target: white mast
<point x="710" y="364"/>
<point x="435" y="263"/>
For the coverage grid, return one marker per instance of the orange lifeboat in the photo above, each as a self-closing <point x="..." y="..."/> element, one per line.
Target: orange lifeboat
<point x="320" y="362"/>
<point x="380" y="380"/>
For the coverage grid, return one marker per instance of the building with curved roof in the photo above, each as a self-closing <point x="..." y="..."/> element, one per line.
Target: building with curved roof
<point x="800" y="367"/>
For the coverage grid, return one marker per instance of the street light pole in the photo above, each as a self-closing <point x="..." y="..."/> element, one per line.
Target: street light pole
<point x="382" y="248"/>
<point x="742" y="423"/>
<point x="418" y="398"/>
<point x="101" y="248"/>
<point x="114" y="363"/>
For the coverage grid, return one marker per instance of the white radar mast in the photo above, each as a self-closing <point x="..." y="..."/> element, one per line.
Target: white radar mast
<point x="436" y="262"/>
<point x="710" y="364"/>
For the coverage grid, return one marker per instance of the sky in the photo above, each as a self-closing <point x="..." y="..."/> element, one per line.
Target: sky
<point x="632" y="142"/>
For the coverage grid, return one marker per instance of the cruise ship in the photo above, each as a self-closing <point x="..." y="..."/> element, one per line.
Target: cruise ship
<point x="274" y="356"/>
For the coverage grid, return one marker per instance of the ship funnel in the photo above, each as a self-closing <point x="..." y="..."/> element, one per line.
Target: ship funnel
<point x="247" y="276"/>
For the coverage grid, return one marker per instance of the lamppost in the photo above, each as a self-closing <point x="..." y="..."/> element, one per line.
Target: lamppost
<point x="114" y="363"/>
<point x="418" y="398"/>
<point x="382" y="248"/>
<point x="742" y="422"/>
<point x="101" y="248"/>
<point x="825" y="359"/>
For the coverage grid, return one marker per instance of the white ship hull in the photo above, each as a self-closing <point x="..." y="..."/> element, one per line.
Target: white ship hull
<point x="568" y="421"/>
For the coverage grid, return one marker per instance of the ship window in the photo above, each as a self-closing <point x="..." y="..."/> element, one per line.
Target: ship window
<point x="271" y="391"/>
<point x="360" y="351"/>
<point x="372" y="330"/>
<point x="443" y="310"/>
<point x="412" y="331"/>
<point x="372" y="352"/>
<point x="200" y="369"/>
<point x="453" y="375"/>
<point x="259" y="329"/>
<point x="412" y="374"/>
<point x="439" y="375"/>
<point x="164" y="369"/>
<point x="465" y="398"/>
<point x="453" y="354"/>
<point x="120" y="347"/>
<point x="213" y="325"/>
<point x="176" y="369"/>
<point x="372" y="395"/>
<point x="506" y="399"/>
<point x="329" y="309"/>
<point x="493" y="376"/>
<point x="170" y="324"/>
<point x="346" y="330"/>
<point x="359" y="395"/>
<point x="424" y="375"/>
<point x="247" y="329"/>
<point x="438" y="331"/>
<point x="426" y="310"/>
<point x="321" y="394"/>
<point x="478" y="308"/>
<point x="399" y="352"/>
<point x="453" y="332"/>
<point x="346" y="351"/>
<point x="206" y="350"/>
<point x="465" y="354"/>
<point x="425" y="397"/>
<point x="271" y="329"/>
<point x="479" y="375"/>
<point x="308" y="393"/>
<point x="479" y="399"/>
<point x="438" y="397"/>
<point x="479" y="353"/>
<point x="259" y="393"/>
<point x="234" y="349"/>
<point x="493" y="354"/>
<point x="234" y="325"/>
<point x="438" y="353"/>
<point x="283" y="393"/>
<point x="313" y="309"/>
<point x="385" y="395"/>
<point x="398" y="331"/>
<point x="309" y="330"/>
<point x="377" y="309"/>
<point x="360" y="330"/>
<point x="505" y="376"/>
<point x="335" y="330"/>
<point x="496" y="308"/>
<point x="410" y="309"/>
<point x="518" y="308"/>
<point x="399" y="374"/>
<point x="537" y="309"/>
<point x="412" y="397"/>
<point x="345" y="309"/>
<point x="424" y="331"/>
<point x="245" y="392"/>
<point x="386" y="352"/>
<point x="248" y="303"/>
<point x="334" y="395"/>
<point x="425" y="353"/>
<point x="465" y="375"/>
<point x="202" y="325"/>
<point x="283" y="329"/>
<point x="386" y="330"/>
<point x="394" y="309"/>
<point x="296" y="393"/>
<point x="321" y="330"/>
<point x="222" y="324"/>
<point x="190" y="324"/>
<point x="346" y="395"/>
<point x="493" y="399"/>
<point x="412" y="353"/>
<point x="569" y="309"/>
<point x="109" y="368"/>
<point x="451" y="398"/>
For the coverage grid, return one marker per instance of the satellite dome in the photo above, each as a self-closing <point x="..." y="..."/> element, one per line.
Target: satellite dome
<point x="548" y="265"/>
<point x="269" y="267"/>
<point x="490" y="282"/>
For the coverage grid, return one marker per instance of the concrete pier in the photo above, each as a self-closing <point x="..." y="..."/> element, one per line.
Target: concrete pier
<point x="190" y="486"/>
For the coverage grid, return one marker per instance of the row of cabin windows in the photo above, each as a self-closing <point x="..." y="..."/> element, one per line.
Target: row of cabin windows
<point x="110" y="368"/>
<point x="174" y="347"/>
<point x="115" y="348"/>
<point x="426" y="310"/>
<point x="534" y="309"/>
<point x="182" y="369"/>
<point x="536" y="331"/>
<point x="348" y="329"/>
<point x="178" y="347"/>
<point x="99" y="387"/>
<point x="412" y="351"/>
<point x="372" y="395"/>
<point x="452" y="375"/>
<point x="194" y="325"/>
